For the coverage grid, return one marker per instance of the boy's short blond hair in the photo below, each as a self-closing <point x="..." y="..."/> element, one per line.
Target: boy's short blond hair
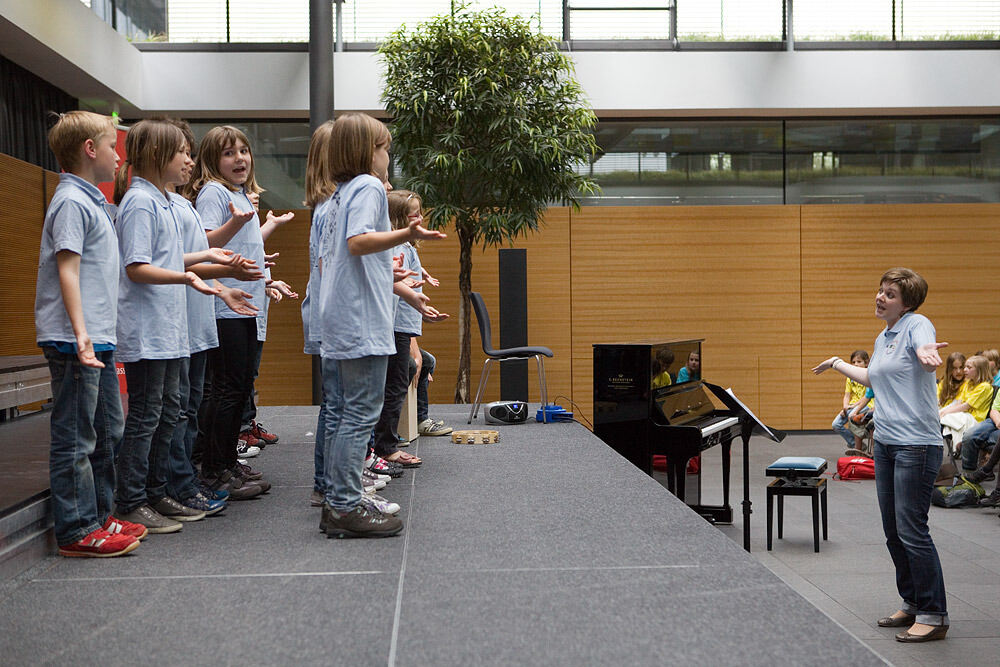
<point x="71" y="130"/>
<point x="353" y="139"/>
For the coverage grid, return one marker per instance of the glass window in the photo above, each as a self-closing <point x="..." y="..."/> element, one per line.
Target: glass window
<point x="279" y="151"/>
<point x="687" y="162"/>
<point x="893" y="161"/>
<point x="730" y="21"/>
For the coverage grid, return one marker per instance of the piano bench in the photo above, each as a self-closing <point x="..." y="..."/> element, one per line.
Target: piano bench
<point x="797" y="476"/>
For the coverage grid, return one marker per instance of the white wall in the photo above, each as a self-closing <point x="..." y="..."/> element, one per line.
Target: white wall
<point x="65" y="43"/>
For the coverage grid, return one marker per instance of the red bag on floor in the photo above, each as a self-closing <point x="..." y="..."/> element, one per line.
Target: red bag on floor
<point x="660" y="463"/>
<point x="855" y="467"/>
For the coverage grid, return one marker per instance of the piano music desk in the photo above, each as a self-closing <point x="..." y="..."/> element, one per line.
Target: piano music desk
<point x="792" y="481"/>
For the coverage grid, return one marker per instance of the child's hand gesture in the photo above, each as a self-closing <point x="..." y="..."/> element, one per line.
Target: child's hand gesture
<point x="269" y="260"/>
<point x="221" y="256"/>
<point x="398" y="272"/>
<point x="247" y="271"/>
<point x="85" y="352"/>
<point x="420" y="233"/>
<point x="239" y="216"/>
<point x="429" y="279"/>
<point x="431" y="314"/>
<point x="192" y="280"/>
<point x="281" y="287"/>
<point x="412" y="283"/>
<point x="279" y="220"/>
<point x="238" y="301"/>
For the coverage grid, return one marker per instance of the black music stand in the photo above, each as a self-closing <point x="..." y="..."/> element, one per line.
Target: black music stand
<point x="750" y="424"/>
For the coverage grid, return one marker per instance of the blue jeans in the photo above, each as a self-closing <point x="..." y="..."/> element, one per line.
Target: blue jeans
<point x="182" y="479"/>
<point x="354" y="390"/>
<point x="86" y="427"/>
<point x="427" y="365"/>
<point x="319" y="453"/>
<point x="153" y="409"/>
<point x="904" y="479"/>
<point x="838" y="426"/>
<point x="983" y="434"/>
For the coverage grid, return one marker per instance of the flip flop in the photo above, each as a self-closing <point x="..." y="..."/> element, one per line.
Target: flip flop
<point x="405" y="459"/>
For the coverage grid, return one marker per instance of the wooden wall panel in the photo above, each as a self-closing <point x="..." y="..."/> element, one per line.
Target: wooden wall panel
<point x="846" y="249"/>
<point x="22" y="211"/>
<point x="548" y="308"/>
<point x="729" y="275"/>
<point x="285" y="372"/>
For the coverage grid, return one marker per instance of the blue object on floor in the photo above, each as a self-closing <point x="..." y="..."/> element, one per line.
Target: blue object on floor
<point x="553" y="413"/>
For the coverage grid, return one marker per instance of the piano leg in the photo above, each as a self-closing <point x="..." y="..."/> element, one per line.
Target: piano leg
<point x="680" y="474"/>
<point x="727" y="448"/>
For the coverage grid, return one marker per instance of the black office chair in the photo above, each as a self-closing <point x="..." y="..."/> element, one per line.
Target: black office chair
<point x="485" y="333"/>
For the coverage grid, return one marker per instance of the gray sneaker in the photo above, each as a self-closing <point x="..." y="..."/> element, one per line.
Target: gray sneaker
<point x="172" y="509"/>
<point x="151" y="519"/>
<point x="431" y="427"/>
<point x="373" y="501"/>
<point x="359" y="522"/>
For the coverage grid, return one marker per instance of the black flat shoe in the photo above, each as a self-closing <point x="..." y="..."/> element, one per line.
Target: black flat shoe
<point x="900" y="622"/>
<point x="938" y="632"/>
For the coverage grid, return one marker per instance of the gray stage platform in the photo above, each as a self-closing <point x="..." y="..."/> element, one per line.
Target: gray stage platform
<point x="547" y="548"/>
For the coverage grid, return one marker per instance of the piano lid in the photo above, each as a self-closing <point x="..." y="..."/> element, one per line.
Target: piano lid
<point x="682" y="404"/>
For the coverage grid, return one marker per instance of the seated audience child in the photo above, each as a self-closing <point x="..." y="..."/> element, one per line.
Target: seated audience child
<point x="972" y="403"/>
<point x="854" y="393"/>
<point x="993" y="356"/>
<point x="951" y="381"/>
<point x="980" y="438"/>
<point x="661" y="368"/>
<point x="692" y="369"/>
<point x="76" y="330"/>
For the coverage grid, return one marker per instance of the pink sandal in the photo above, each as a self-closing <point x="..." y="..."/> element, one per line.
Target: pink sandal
<point x="405" y="459"/>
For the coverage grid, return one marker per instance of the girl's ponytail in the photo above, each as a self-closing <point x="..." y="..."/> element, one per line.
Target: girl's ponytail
<point x="121" y="182"/>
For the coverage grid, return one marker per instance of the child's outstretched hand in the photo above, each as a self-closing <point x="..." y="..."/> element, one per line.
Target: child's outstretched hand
<point x="281" y="287"/>
<point x="398" y="272"/>
<point x="420" y="233"/>
<point x="197" y="283"/>
<point x="412" y="283"/>
<point x="239" y="216"/>
<point x="221" y="256"/>
<point x="279" y="220"/>
<point x="431" y="314"/>
<point x="85" y="352"/>
<point x="238" y="301"/>
<point x="269" y="260"/>
<point x="247" y="271"/>
<point x="429" y="279"/>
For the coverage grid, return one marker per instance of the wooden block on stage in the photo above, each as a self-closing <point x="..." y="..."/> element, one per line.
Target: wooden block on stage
<point x="407" y="427"/>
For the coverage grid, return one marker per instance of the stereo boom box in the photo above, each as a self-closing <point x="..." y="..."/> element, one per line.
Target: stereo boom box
<point x="506" y="412"/>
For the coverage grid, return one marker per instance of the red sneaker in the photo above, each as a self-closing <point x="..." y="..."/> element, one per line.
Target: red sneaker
<point x="261" y="433"/>
<point x="249" y="438"/>
<point x="122" y="527"/>
<point x="100" y="544"/>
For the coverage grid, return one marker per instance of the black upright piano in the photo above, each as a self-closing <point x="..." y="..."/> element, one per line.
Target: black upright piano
<point x="645" y="404"/>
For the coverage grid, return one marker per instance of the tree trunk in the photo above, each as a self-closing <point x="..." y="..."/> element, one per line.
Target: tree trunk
<point x="464" y="316"/>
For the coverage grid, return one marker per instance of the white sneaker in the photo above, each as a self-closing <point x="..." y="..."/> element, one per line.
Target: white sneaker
<point x="374" y="501"/>
<point x="245" y="451"/>
<point x="431" y="427"/>
<point x="373" y="481"/>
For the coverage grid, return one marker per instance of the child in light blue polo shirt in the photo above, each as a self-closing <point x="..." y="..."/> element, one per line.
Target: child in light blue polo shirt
<point x="152" y="323"/>
<point x="75" y="316"/>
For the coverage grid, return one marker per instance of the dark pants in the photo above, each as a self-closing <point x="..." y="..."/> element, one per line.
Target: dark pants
<point x="981" y="436"/>
<point x="182" y="481"/>
<point x="427" y="364"/>
<point x="250" y="410"/>
<point x="397" y="378"/>
<point x="232" y="374"/>
<point x="904" y="479"/>
<point x="86" y="427"/>
<point x="153" y="408"/>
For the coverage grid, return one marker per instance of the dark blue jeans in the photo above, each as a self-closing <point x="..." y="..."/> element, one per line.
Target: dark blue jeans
<point x="250" y="409"/>
<point x="427" y="364"/>
<point x="396" y="382"/>
<point x="904" y="479"/>
<point x="182" y="480"/>
<point x="153" y="408"/>
<point x="86" y="427"/>
<point x="984" y="434"/>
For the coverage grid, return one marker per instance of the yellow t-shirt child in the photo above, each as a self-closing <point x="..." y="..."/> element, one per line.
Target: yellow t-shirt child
<point x="978" y="397"/>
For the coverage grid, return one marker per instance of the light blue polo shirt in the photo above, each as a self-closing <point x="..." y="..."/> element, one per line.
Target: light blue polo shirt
<point x="78" y="221"/>
<point x="213" y="207"/>
<point x="906" y="409"/>
<point x="408" y="320"/>
<point x="323" y="213"/>
<point x="152" y="319"/>
<point x="202" y="333"/>
<point x="357" y="310"/>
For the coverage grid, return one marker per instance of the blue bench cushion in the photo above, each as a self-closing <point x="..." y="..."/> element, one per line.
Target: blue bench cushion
<point x="814" y="463"/>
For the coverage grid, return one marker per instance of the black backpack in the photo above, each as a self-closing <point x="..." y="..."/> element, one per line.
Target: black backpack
<point x="963" y="494"/>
